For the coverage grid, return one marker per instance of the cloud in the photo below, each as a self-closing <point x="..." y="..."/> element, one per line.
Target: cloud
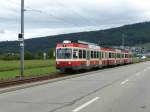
<point x="47" y="17"/>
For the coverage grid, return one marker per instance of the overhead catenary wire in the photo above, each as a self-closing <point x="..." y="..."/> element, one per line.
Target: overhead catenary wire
<point x="28" y="9"/>
<point x="51" y="15"/>
<point x="84" y="18"/>
<point x="71" y="11"/>
<point x="62" y="19"/>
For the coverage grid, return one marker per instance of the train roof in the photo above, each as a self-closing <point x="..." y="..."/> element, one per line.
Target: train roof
<point x="107" y="49"/>
<point x="82" y="44"/>
<point x="72" y="45"/>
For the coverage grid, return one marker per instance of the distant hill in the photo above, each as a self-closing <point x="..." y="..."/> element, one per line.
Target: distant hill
<point x="134" y="34"/>
<point x="146" y="45"/>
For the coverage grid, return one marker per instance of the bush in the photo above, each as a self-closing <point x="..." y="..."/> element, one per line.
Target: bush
<point x="28" y="56"/>
<point x="9" y="56"/>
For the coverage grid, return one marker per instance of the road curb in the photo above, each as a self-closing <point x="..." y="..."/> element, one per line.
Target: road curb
<point x="24" y="86"/>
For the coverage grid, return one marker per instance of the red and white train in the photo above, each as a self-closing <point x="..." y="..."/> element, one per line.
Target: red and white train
<point x="83" y="55"/>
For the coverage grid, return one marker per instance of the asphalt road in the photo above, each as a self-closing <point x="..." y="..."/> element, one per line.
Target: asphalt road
<point x="120" y="89"/>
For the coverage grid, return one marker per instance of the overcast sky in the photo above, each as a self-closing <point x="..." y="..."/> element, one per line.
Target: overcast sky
<point x="52" y="17"/>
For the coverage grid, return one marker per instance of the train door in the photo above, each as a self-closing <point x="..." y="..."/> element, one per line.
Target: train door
<point x="88" y="58"/>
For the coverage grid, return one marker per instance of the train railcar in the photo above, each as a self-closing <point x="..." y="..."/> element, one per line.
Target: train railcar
<point x="83" y="55"/>
<point x="71" y="56"/>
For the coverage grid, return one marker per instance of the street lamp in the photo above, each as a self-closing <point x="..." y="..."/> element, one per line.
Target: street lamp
<point x="21" y="39"/>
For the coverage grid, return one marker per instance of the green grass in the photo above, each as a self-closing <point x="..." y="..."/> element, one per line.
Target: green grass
<point x="10" y="69"/>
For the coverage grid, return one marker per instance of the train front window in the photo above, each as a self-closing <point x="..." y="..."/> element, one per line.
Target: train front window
<point x="64" y="53"/>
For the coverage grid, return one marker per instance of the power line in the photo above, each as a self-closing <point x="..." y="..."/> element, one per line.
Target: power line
<point x="51" y="15"/>
<point x="66" y="21"/>
<point x="74" y="11"/>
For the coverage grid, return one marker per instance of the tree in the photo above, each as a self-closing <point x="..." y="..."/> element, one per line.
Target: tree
<point x="29" y="56"/>
<point x="51" y="52"/>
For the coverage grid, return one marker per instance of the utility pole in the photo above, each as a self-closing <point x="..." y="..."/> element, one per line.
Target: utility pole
<point x="21" y="39"/>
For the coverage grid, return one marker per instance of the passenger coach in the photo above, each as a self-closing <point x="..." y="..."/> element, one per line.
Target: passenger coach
<point x="83" y="55"/>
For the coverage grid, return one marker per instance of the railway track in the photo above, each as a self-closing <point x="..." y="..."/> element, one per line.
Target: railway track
<point x="23" y="80"/>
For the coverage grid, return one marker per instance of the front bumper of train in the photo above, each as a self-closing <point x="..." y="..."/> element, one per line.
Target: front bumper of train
<point x="70" y="65"/>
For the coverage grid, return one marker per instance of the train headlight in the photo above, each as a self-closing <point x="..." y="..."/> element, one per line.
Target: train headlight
<point x="57" y="62"/>
<point x="69" y="62"/>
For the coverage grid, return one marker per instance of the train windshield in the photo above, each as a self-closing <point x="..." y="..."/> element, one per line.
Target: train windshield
<point x="64" y="53"/>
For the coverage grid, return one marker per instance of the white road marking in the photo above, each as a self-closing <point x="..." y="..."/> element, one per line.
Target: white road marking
<point x="124" y="82"/>
<point x="145" y="69"/>
<point x="137" y="74"/>
<point x="85" y="105"/>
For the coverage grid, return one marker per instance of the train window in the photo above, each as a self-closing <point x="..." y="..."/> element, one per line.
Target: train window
<point x="122" y="55"/>
<point x="114" y="55"/>
<point x="106" y="56"/>
<point x="109" y="55"/>
<point x="118" y="55"/>
<point x="92" y="54"/>
<point x="88" y="55"/>
<point x="103" y="54"/>
<point x="97" y="54"/>
<point x="84" y="54"/>
<point x="126" y="55"/>
<point x="75" y="53"/>
<point x="80" y="54"/>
